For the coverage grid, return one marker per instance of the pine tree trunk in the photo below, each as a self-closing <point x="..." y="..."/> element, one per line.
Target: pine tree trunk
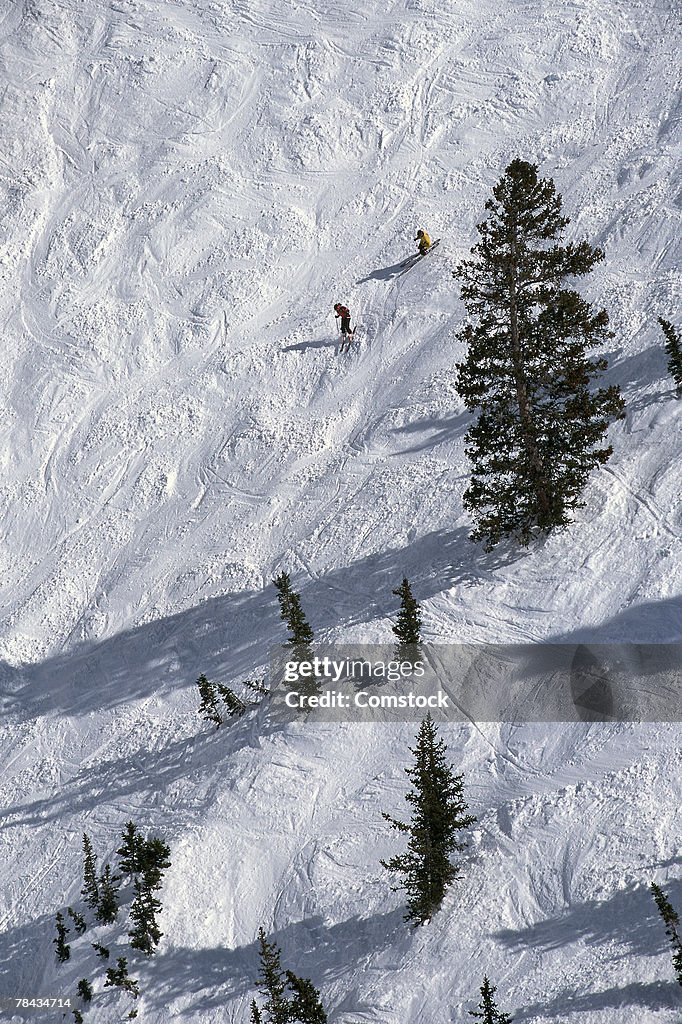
<point x="528" y="431"/>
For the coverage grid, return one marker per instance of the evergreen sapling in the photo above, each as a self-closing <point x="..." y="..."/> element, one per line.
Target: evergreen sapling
<point x="78" y="920"/>
<point x="90" y="890"/>
<point x="673" y="348"/>
<point x="235" y="705"/>
<point x="301" y="635"/>
<point x="271" y="981"/>
<point x="130" y="851"/>
<point x="145" y="934"/>
<point x="209" y="701"/>
<point x="408" y="624"/>
<point x="305" y="1006"/>
<point x="107" y="908"/>
<point x="63" y="950"/>
<point x="256" y="685"/>
<point x="118" y="976"/>
<point x="672" y="922"/>
<point x="438" y="818"/>
<point x="487" y="1011"/>
<point x="154" y="860"/>
<point x="85" y="990"/>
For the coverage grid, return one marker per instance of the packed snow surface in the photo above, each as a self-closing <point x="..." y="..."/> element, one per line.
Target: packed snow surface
<point x="186" y="189"/>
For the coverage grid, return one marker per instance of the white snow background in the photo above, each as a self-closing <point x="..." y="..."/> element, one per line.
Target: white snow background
<point x="186" y="188"/>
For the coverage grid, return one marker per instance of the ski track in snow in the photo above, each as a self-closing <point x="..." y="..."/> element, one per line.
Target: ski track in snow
<point x="187" y="189"/>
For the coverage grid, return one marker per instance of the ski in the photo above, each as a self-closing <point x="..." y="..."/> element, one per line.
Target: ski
<point x="420" y="256"/>
<point x="346" y="344"/>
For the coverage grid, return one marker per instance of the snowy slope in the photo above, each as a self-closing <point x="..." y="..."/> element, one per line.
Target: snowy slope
<point x="187" y="188"/>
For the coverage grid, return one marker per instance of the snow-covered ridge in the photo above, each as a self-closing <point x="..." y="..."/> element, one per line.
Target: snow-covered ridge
<point x="187" y="188"/>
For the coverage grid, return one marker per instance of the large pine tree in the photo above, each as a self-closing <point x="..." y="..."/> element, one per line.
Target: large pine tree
<point x="438" y="818"/>
<point x="487" y="1011"/>
<point x="541" y="423"/>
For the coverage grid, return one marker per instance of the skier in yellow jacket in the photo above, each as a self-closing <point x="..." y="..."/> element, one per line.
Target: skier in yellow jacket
<point x="424" y="242"/>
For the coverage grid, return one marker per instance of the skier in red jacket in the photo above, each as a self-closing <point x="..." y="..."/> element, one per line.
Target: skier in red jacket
<point x="346" y="333"/>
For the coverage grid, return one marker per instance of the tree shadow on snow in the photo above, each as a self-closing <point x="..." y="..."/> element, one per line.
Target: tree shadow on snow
<point x="446" y="429"/>
<point x="208" y="976"/>
<point x="641" y="369"/>
<point x="629" y="918"/>
<point x="23" y="951"/>
<point x="147" y="772"/>
<point x="223" y="637"/>
<point x="652" y="622"/>
<point x="226" y="636"/>
<point x="311" y="948"/>
<point x="649" y="995"/>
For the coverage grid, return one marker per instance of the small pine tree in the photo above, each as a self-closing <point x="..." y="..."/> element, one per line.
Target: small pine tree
<point x="292" y="613"/>
<point x="257" y="685"/>
<point x="102" y="951"/>
<point x="145" y="934"/>
<point x="78" y="920"/>
<point x="673" y="348"/>
<point x="90" y="890"/>
<point x="118" y="976"/>
<point x="300" y="634"/>
<point x="672" y="921"/>
<point x="408" y="624"/>
<point x="130" y="851"/>
<point x="235" y="706"/>
<point x="271" y="981"/>
<point x="107" y="908"/>
<point x="542" y="425"/>
<point x="154" y="860"/>
<point x="85" y="990"/>
<point x="487" y="1011"/>
<point x="77" y="1017"/>
<point x="63" y="950"/>
<point x="256" y="1017"/>
<point x="438" y="818"/>
<point x="305" y="1006"/>
<point x="208" y="708"/>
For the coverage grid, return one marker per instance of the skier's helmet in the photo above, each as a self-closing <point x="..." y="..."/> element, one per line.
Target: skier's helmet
<point x="337" y="305"/>
<point x="419" y="233"/>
